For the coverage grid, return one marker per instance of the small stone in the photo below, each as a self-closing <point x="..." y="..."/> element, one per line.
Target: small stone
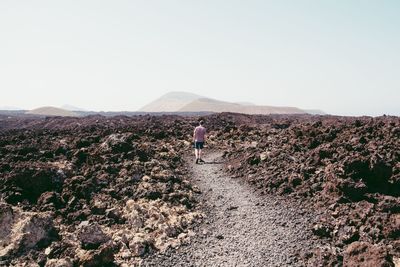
<point x="263" y="156"/>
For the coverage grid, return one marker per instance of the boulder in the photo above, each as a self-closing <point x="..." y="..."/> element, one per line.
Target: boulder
<point x="67" y="262"/>
<point x="92" y="236"/>
<point x="103" y="256"/>
<point x="22" y="231"/>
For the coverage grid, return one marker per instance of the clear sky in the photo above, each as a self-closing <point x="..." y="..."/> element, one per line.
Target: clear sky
<point x="339" y="56"/>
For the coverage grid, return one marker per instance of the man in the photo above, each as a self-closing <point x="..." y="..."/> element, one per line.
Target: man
<point x="199" y="137"/>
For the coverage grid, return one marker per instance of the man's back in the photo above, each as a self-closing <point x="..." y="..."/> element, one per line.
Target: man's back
<point x="199" y="133"/>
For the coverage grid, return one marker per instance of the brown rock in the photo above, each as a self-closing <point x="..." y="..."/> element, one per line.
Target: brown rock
<point x="138" y="246"/>
<point x="92" y="236"/>
<point x="67" y="262"/>
<point x="21" y="231"/>
<point x="103" y="256"/>
<point x="360" y="254"/>
<point x="393" y="228"/>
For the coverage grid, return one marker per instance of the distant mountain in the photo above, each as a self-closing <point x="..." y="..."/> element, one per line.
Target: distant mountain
<point x="315" y="112"/>
<point x="52" y="111"/>
<point x="245" y="103"/>
<point x="170" y="102"/>
<point x="72" y="108"/>
<point x="187" y="102"/>
<point x="206" y="104"/>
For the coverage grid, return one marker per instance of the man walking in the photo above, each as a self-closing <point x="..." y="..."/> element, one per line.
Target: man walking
<point x="199" y="137"/>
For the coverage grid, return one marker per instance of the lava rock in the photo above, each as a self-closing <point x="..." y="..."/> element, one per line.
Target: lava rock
<point x="366" y="254"/>
<point x="92" y="236"/>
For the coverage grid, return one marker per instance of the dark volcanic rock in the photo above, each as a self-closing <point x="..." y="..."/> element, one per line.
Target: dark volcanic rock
<point x="63" y="172"/>
<point x="127" y="175"/>
<point x="360" y="254"/>
<point x="346" y="168"/>
<point x="103" y="256"/>
<point x="91" y="236"/>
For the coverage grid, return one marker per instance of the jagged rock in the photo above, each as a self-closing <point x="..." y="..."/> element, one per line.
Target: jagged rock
<point x="359" y="254"/>
<point x="322" y="230"/>
<point x="393" y="228"/>
<point x="117" y="143"/>
<point x="22" y="231"/>
<point x="103" y="256"/>
<point x="67" y="262"/>
<point x="138" y="246"/>
<point x="92" y="236"/>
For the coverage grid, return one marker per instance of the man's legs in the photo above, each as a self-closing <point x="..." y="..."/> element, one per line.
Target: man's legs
<point x="196" y="153"/>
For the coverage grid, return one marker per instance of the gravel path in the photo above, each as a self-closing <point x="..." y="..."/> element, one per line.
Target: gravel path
<point x="241" y="228"/>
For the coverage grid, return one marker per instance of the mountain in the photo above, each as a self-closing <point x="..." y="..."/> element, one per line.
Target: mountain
<point x="72" y="108"/>
<point x="245" y="103"/>
<point x="187" y="102"/>
<point x="170" y="102"/>
<point x="206" y="104"/>
<point x="52" y="111"/>
<point x="315" y="112"/>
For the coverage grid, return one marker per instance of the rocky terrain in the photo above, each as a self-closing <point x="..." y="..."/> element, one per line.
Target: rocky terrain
<point x="347" y="169"/>
<point x="98" y="191"/>
<point x="92" y="191"/>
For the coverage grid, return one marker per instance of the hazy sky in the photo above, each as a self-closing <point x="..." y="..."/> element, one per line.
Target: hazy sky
<point x="339" y="56"/>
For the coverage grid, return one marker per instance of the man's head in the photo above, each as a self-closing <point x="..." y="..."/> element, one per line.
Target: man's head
<point x="201" y="122"/>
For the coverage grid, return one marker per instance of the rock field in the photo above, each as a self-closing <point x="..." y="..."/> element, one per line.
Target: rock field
<point x="347" y="169"/>
<point x="99" y="191"/>
<point x="93" y="191"/>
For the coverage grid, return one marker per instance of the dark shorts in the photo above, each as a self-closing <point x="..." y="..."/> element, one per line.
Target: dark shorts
<point x="198" y="145"/>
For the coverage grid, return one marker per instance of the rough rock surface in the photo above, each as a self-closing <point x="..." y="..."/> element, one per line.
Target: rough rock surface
<point x="93" y="191"/>
<point x="127" y="175"/>
<point x="346" y="168"/>
<point x="22" y="231"/>
<point x="364" y="254"/>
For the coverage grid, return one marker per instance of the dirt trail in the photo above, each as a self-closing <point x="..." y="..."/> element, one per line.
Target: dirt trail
<point x="242" y="228"/>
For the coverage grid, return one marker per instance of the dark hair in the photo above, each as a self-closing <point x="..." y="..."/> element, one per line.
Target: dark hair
<point x="201" y="122"/>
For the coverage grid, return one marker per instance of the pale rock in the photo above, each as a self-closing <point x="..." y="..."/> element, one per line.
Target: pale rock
<point x="67" y="262"/>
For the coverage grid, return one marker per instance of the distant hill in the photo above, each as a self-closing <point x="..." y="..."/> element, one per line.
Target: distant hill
<point x="52" y="111"/>
<point x="187" y="102"/>
<point x="206" y="104"/>
<point x="315" y="112"/>
<point x="72" y="108"/>
<point x="170" y="102"/>
<point x="245" y="103"/>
